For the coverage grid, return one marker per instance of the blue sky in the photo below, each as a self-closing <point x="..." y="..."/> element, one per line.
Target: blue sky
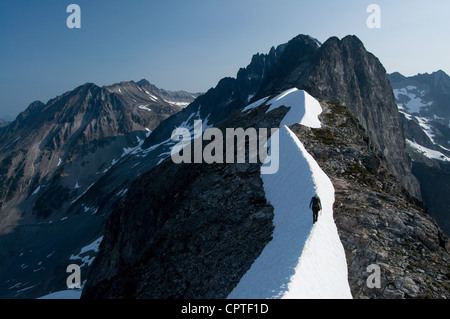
<point x="191" y="44"/>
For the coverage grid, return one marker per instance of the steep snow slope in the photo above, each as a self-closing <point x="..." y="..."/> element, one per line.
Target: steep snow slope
<point x="302" y="260"/>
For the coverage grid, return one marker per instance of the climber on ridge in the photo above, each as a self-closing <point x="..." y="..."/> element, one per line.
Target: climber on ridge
<point x="316" y="206"/>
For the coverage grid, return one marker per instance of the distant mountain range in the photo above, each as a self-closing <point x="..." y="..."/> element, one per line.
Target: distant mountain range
<point x="424" y="104"/>
<point x="48" y="141"/>
<point x="3" y="123"/>
<point x="52" y="153"/>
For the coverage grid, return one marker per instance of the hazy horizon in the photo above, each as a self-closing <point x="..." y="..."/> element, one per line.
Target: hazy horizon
<point x="191" y="45"/>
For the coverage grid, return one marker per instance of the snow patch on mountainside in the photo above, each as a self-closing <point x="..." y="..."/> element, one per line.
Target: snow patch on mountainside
<point x="413" y="99"/>
<point x="296" y="100"/>
<point x="432" y="154"/>
<point x="426" y="125"/>
<point x="302" y="260"/>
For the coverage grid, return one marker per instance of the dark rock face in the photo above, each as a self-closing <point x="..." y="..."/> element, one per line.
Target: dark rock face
<point x="3" y="123"/>
<point x="180" y="98"/>
<point x="185" y="231"/>
<point x="424" y="102"/>
<point x="434" y="181"/>
<point x="45" y="137"/>
<point x="49" y="156"/>
<point x="344" y="72"/>
<point x="188" y="239"/>
<point x="197" y="232"/>
<point x="432" y="174"/>
<point x="378" y="221"/>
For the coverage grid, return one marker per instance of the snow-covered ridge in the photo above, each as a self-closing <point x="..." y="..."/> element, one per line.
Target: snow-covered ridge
<point x="302" y="260"/>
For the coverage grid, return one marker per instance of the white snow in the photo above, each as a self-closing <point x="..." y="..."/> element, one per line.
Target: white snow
<point x="423" y="122"/>
<point x="24" y="289"/>
<point x="180" y="104"/>
<point x="36" y="190"/>
<point x="59" y="162"/>
<point x="87" y="260"/>
<point x="144" y="107"/>
<point x="94" y="246"/>
<point x="152" y="96"/>
<point x="16" y="286"/>
<point x="255" y="104"/>
<point x="134" y="149"/>
<point x="89" y="209"/>
<point x="297" y="100"/>
<point x="65" y="294"/>
<point x="409" y="117"/>
<point x="302" y="260"/>
<point x="82" y="194"/>
<point x="122" y="192"/>
<point x="432" y="154"/>
<point x="319" y="44"/>
<point x="12" y="143"/>
<point x="427" y="128"/>
<point x="414" y="96"/>
<point x="189" y="124"/>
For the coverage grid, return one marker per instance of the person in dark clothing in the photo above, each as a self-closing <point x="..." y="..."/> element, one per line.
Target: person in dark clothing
<point x="316" y="206"/>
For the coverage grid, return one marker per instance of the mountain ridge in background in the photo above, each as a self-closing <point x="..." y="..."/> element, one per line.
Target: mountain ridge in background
<point x="53" y="152"/>
<point x="424" y="104"/>
<point x="3" y="123"/>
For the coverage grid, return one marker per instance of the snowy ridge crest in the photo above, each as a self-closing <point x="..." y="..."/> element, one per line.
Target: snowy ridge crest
<point x="302" y="260"/>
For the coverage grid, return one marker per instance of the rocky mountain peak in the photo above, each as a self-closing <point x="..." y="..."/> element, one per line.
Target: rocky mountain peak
<point x="3" y="123"/>
<point x="143" y="82"/>
<point x="357" y="79"/>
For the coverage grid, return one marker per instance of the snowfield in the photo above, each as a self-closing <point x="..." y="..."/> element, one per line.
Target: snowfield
<point x="432" y="154"/>
<point x="302" y="261"/>
<point x="414" y="97"/>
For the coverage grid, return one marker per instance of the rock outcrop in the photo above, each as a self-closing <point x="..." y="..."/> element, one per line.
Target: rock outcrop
<point x="343" y="71"/>
<point x="197" y="228"/>
<point x="424" y="105"/>
<point x="379" y="222"/>
<point x="201" y="226"/>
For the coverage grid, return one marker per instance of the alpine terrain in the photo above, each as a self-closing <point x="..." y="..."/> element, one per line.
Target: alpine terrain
<point x="3" y="123"/>
<point x="95" y="185"/>
<point x="49" y="156"/>
<point x="424" y="104"/>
